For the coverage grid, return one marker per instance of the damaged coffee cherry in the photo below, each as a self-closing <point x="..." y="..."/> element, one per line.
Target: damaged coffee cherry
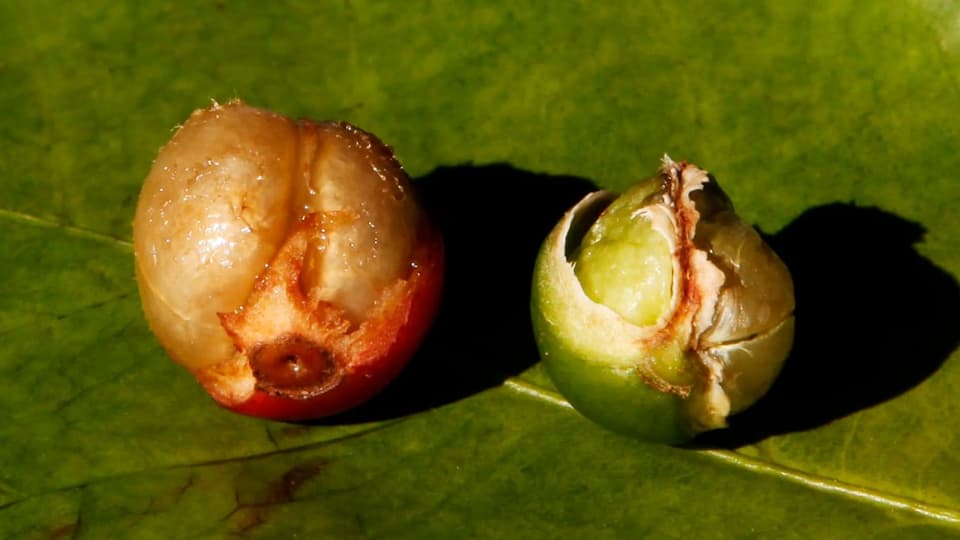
<point x="287" y="264"/>
<point x="659" y="313"/>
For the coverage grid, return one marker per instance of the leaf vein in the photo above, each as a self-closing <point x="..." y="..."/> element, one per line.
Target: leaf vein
<point x="22" y="217"/>
<point x="81" y="486"/>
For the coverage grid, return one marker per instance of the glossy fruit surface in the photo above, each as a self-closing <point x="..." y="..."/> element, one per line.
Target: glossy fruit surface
<point x="659" y="313"/>
<point x="287" y="264"/>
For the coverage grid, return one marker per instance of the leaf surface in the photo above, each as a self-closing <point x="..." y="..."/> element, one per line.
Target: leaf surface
<point x="828" y="124"/>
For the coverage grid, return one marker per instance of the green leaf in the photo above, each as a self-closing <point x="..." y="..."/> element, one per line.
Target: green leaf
<point x="830" y="125"/>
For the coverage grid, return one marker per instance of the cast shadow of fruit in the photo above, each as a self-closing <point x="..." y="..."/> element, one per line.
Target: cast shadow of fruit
<point x="874" y="319"/>
<point x="493" y="219"/>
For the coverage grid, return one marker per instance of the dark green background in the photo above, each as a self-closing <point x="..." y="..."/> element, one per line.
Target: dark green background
<point x="794" y="106"/>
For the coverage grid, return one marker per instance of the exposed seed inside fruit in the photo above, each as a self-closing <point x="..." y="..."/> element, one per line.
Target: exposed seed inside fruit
<point x="624" y="264"/>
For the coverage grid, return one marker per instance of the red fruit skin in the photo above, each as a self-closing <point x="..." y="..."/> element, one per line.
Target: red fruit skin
<point x="385" y="354"/>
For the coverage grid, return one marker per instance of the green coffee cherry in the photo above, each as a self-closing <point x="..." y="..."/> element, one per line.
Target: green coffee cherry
<point x="659" y="313"/>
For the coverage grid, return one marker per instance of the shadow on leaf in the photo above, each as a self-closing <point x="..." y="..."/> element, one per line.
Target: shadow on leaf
<point x="493" y="219"/>
<point x="873" y="320"/>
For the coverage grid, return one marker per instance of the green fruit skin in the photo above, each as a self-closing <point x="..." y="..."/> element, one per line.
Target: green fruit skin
<point x="615" y="398"/>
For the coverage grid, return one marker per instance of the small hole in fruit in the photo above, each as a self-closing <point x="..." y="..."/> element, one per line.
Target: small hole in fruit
<point x="293" y="363"/>
<point x="294" y="367"/>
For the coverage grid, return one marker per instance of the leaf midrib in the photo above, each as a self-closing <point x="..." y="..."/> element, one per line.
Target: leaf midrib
<point x="809" y="480"/>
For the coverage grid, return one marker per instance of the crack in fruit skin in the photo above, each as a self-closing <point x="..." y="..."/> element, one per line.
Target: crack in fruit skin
<point x="286" y="264"/>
